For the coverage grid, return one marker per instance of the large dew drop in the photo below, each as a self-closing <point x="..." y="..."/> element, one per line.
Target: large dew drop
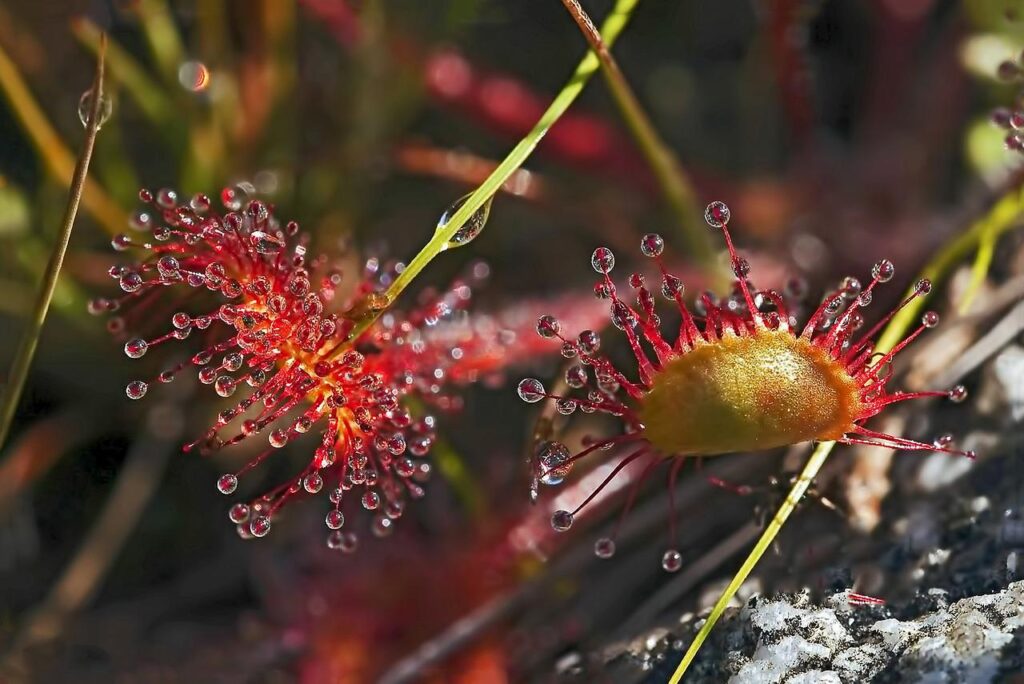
<point x="473" y="226"/>
<point x="85" y="108"/>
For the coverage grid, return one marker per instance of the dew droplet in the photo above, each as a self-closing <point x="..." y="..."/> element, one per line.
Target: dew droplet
<point x="85" y="108"/>
<point x="652" y="245"/>
<point x="943" y="441"/>
<point x="930" y="319"/>
<point x="238" y="513"/>
<point x="227" y="483"/>
<point x="604" y="548"/>
<point x="671" y="561"/>
<point x="259" y="526"/>
<point x="561" y="520"/>
<point x="566" y="406"/>
<point x="130" y="282"/>
<point x="335" y="519"/>
<point x="923" y="286"/>
<point x="278" y="438"/>
<point x="576" y="376"/>
<point x="554" y="462"/>
<point x="671" y="286"/>
<point x="382" y="526"/>
<point x="225" y="386"/>
<point x="371" y="500"/>
<point x="194" y="76"/>
<point x="589" y="341"/>
<point x="136" y="348"/>
<point x="141" y="221"/>
<point x="547" y="326"/>
<point x="740" y="267"/>
<point x="473" y="226"/>
<point x="717" y="214"/>
<point x="957" y="394"/>
<point x="883" y="271"/>
<point x="603" y="260"/>
<point x="531" y="390"/>
<point x="136" y="389"/>
<point x="348" y="542"/>
<point x="265" y="243"/>
<point x="313" y="482"/>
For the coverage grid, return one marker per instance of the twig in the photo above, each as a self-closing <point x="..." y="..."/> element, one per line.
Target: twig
<point x="30" y="338"/>
<point x="998" y="337"/>
<point x="670" y="175"/>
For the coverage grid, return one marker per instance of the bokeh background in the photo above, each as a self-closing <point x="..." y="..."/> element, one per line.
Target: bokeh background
<point x="837" y="132"/>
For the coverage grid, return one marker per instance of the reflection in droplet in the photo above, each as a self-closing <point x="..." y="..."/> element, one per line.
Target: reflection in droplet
<point x="194" y="76"/>
<point x="473" y="226"/>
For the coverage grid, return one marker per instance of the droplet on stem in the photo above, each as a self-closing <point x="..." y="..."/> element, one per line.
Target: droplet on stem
<point x="85" y="108"/>
<point x="473" y="226"/>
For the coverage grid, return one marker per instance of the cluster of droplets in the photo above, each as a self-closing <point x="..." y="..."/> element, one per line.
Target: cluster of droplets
<point x="1011" y="119"/>
<point x="275" y="325"/>
<point x="833" y="328"/>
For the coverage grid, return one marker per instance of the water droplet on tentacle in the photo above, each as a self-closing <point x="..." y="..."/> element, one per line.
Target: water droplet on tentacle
<point x="717" y="214"/>
<point x="561" y="521"/>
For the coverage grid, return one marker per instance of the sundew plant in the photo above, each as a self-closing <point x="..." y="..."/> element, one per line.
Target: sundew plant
<point x="380" y="422"/>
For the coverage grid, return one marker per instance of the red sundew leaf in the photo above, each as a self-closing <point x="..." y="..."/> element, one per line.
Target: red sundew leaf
<point x="274" y="327"/>
<point x="738" y="375"/>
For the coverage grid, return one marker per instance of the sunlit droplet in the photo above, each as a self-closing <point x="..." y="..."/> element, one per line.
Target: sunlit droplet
<point x="194" y="76"/>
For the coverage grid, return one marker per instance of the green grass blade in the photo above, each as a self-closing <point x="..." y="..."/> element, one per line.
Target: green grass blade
<point x="808" y="474"/>
<point x="611" y="29"/>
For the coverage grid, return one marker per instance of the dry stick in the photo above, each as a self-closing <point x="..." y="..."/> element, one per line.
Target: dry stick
<point x="30" y="338"/>
<point x="678" y="190"/>
<point x="1001" y="217"/>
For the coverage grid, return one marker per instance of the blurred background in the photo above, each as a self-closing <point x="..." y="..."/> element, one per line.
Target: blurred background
<point x="837" y="132"/>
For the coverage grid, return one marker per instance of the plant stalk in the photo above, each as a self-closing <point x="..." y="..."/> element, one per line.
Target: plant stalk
<point x="676" y="186"/>
<point x="30" y="338"/>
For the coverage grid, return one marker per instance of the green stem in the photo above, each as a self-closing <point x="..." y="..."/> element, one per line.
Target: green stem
<point x="808" y="474"/>
<point x="1003" y="216"/>
<point x="611" y="29"/>
<point x="676" y="186"/>
<point x="30" y="338"/>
